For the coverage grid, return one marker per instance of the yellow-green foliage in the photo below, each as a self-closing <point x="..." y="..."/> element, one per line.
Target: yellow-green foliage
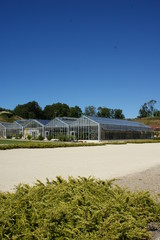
<point x="76" y="209"/>
<point x="12" y="144"/>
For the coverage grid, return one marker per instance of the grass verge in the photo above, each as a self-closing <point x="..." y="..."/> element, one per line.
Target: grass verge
<point x="14" y="144"/>
<point x="76" y="209"/>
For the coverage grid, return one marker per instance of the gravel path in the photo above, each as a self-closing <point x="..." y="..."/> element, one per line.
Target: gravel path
<point x="105" y="162"/>
<point x="148" y="180"/>
<point x="135" y="166"/>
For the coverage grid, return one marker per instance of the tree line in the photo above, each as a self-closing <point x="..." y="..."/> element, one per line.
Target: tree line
<point x="32" y="110"/>
<point x="148" y="109"/>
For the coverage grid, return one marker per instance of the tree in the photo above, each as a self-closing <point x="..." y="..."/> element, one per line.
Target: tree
<point x="75" y="112"/>
<point x="49" y="112"/>
<point x="104" y="112"/>
<point x="118" y="114"/>
<point x="144" y="111"/>
<point x="90" y="111"/>
<point x="4" y="109"/>
<point x="60" y="109"/>
<point x="56" y="110"/>
<point x="157" y="113"/>
<point x="29" y="110"/>
<point x="151" y="104"/>
<point x="147" y="109"/>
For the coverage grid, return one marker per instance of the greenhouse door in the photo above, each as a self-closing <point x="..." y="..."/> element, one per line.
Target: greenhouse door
<point x="46" y="134"/>
<point x="72" y="133"/>
<point x="34" y="133"/>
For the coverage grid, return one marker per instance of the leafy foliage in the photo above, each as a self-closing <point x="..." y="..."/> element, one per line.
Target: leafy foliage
<point x="14" y="144"/>
<point x="90" y="111"/>
<point x="148" y="109"/>
<point x="75" y="112"/>
<point x="76" y="209"/>
<point x="30" y="110"/>
<point x="56" y="110"/>
<point x="104" y="112"/>
<point x="61" y="110"/>
<point x="118" y="114"/>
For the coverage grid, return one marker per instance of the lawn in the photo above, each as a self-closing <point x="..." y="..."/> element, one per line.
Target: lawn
<point x="13" y="144"/>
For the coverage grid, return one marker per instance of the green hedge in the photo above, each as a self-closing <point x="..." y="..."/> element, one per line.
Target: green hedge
<point x="13" y="144"/>
<point x="76" y="209"/>
<point x="46" y="145"/>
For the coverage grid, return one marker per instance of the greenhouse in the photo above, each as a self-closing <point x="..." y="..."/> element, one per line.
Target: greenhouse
<point x="59" y="126"/>
<point x="9" y="130"/>
<point x="23" y="124"/>
<point x="84" y="128"/>
<point x="98" y="128"/>
<point x="34" y="128"/>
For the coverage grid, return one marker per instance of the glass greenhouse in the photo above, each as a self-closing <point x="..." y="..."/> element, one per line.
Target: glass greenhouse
<point x="59" y="126"/>
<point x="34" y="128"/>
<point x="9" y="130"/>
<point x="98" y="128"/>
<point x="84" y="128"/>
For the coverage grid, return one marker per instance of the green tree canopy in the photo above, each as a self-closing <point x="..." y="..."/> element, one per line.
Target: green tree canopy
<point x="75" y="112"/>
<point x="157" y="113"/>
<point x="56" y="110"/>
<point x="29" y="110"/>
<point x="104" y="112"/>
<point x="118" y="114"/>
<point x="90" y="111"/>
<point x="147" y="109"/>
<point x="49" y="112"/>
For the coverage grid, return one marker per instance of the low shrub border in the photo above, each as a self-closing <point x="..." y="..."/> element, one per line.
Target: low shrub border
<point x="46" y="145"/>
<point x="82" y="208"/>
<point x="13" y="144"/>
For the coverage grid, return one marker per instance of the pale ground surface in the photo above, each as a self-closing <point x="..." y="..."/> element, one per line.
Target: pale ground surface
<point x="105" y="162"/>
<point x="136" y="166"/>
<point x="148" y="180"/>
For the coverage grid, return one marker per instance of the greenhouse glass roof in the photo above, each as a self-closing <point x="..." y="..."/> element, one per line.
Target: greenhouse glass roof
<point x="23" y="122"/>
<point x="67" y="120"/>
<point x="13" y="125"/>
<point x="41" y="121"/>
<point x="61" y="122"/>
<point x="118" y="124"/>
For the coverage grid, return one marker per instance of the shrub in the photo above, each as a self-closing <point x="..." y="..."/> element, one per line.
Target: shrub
<point x="76" y="209"/>
<point x="49" y="137"/>
<point x="19" y="136"/>
<point x="29" y="137"/>
<point x="65" y="138"/>
<point x="9" y="137"/>
<point x="40" y="137"/>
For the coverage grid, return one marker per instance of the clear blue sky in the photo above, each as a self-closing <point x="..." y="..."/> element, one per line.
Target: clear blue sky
<point x="80" y="52"/>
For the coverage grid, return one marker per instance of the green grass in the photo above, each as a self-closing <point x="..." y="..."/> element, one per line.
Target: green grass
<point x="134" y="141"/>
<point x="14" y="144"/>
<point x="7" y="141"/>
<point x="76" y="209"/>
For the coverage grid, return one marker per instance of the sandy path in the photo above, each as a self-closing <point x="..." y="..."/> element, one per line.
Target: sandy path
<point x="148" y="180"/>
<point x="106" y="162"/>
